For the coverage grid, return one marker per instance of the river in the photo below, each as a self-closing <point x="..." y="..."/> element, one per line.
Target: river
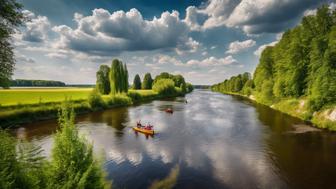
<point x="213" y="141"/>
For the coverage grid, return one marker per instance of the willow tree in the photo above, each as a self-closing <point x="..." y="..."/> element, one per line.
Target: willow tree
<point x="137" y="82"/>
<point x="147" y="81"/>
<point x="118" y="77"/>
<point x="103" y="81"/>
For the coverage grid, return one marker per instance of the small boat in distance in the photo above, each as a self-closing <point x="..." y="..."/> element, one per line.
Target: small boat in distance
<point x="169" y="110"/>
<point x="146" y="129"/>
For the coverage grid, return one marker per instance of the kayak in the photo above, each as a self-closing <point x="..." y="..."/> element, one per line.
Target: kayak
<point x="146" y="131"/>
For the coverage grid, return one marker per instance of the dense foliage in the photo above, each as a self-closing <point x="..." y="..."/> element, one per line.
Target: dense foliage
<point x="137" y="82"/>
<point x="241" y="83"/>
<point x="118" y="77"/>
<point x="164" y="87"/>
<point x="72" y="164"/>
<point x="301" y="64"/>
<point x="177" y="79"/>
<point x="147" y="81"/>
<point x="10" y="18"/>
<point x="36" y="83"/>
<point x="103" y="80"/>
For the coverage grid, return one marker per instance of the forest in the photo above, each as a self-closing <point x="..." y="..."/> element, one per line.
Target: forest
<point x="36" y="83"/>
<point x="301" y="65"/>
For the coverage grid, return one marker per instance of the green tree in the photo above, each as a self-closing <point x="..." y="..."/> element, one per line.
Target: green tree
<point x="137" y="82"/>
<point x="164" y="87"/>
<point x="147" y="81"/>
<point x="11" y="17"/>
<point x="103" y="81"/>
<point x="118" y="77"/>
<point x="73" y="163"/>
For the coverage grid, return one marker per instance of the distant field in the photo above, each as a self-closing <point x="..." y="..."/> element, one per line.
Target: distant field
<point x="25" y="96"/>
<point x="36" y="95"/>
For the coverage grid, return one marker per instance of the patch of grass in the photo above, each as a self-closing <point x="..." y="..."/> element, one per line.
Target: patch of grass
<point x="28" y="96"/>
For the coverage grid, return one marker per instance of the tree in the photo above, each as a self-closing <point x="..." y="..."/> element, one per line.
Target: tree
<point x="147" y="81"/>
<point x="103" y="81"/>
<point x="118" y="77"/>
<point x="73" y="164"/>
<point x="137" y="82"/>
<point x="164" y="87"/>
<point x="11" y="17"/>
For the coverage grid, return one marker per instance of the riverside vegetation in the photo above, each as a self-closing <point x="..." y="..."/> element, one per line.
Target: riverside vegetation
<point x="112" y="90"/>
<point x="71" y="165"/>
<point x="297" y="75"/>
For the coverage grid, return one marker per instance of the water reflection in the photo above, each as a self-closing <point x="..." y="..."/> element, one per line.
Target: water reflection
<point x="218" y="141"/>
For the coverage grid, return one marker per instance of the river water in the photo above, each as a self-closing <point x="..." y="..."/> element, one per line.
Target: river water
<point x="213" y="141"/>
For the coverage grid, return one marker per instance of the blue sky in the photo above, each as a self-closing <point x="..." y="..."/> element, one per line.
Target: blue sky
<point x="206" y="41"/>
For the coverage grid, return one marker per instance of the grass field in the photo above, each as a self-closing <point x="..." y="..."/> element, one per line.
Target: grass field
<point x="41" y="95"/>
<point x="28" y="96"/>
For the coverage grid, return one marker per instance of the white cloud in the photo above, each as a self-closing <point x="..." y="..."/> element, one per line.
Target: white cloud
<point x="36" y="29"/>
<point x="104" y="33"/>
<point x="239" y="46"/>
<point x="263" y="47"/>
<point x="252" y="16"/>
<point x="212" y="61"/>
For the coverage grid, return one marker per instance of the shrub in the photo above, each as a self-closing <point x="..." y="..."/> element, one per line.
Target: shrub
<point x="95" y="100"/>
<point x="118" y="100"/>
<point x="164" y="87"/>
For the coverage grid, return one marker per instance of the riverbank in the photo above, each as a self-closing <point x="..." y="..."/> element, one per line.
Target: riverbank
<point x="324" y="118"/>
<point x="12" y="116"/>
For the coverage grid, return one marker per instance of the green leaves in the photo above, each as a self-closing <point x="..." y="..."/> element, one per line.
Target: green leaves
<point x="147" y="81"/>
<point x="118" y="77"/>
<point x="137" y="82"/>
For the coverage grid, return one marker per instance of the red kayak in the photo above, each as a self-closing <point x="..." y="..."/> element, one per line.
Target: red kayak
<point x="169" y="110"/>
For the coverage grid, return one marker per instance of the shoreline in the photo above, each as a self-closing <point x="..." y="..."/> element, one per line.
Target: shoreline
<point x="14" y="116"/>
<point x="316" y="121"/>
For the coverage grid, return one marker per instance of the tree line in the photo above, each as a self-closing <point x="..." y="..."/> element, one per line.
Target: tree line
<point x="301" y="64"/>
<point x="36" y="83"/>
<point x="114" y="80"/>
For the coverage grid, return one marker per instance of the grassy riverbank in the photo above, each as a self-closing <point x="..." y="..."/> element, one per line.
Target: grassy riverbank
<point x="298" y="108"/>
<point x="28" y="105"/>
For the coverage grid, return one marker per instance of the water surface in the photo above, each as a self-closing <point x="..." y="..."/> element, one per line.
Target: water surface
<point x="213" y="141"/>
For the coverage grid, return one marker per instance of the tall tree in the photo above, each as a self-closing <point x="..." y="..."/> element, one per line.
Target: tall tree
<point x="137" y="82"/>
<point x="103" y="81"/>
<point x="10" y="18"/>
<point x="147" y="81"/>
<point x="118" y="77"/>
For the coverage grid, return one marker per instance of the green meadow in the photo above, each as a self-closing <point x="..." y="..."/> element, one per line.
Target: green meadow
<point x="31" y="96"/>
<point x="28" y="96"/>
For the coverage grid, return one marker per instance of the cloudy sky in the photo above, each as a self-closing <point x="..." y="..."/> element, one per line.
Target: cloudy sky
<point x="206" y="41"/>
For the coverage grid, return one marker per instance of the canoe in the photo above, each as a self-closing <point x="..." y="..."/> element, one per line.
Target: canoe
<point x="146" y="131"/>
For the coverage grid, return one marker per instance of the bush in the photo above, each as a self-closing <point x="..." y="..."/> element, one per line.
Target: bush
<point x="96" y="101"/>
<point x="164" y="87"/>
<point x="118" y="100"/>
<point x="135" y="96"/>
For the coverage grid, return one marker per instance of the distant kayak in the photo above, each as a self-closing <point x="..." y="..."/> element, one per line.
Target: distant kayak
<point x="169" y="110"/>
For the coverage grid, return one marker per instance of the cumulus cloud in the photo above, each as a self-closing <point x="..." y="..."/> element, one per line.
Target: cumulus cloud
<point x="36" y="29"/>
<point x="252" y="16"/>
<point x="238" y="46"/>
<point x="263" y="47"/>
<point x="104" y="33"/>
<point x="212" y="61"/>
